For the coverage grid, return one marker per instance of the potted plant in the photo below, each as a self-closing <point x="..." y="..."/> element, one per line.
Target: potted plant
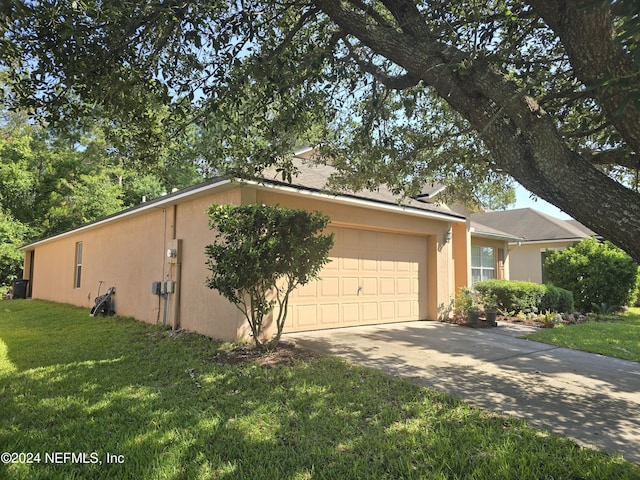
<point x="473" y="315"/>
<point x="466" y="306"/>
<point x="490" y="305"/>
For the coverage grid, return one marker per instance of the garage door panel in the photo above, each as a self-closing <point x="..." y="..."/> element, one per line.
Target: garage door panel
<point x="350" y="264"/>
<point x="403" y="286"/>
<point x="329" y="286"/>
<point x="332" y="265"/>
<point x="350" y="286"/>
<point x="369" y="265"/>
<point x="387" y="286"/>
<point x="388" y="311"/>
<point x="350" y="314"/>
<point x="370" y="312"/>
<point x="373" y="277"/>
<point x="307" y="315"/>
<point x="369" y="286"/>
<point x="403" y="309"/>
<point x="328" y="314"/>
<point x="308" y="290"/>
<point x="387" y="265"/>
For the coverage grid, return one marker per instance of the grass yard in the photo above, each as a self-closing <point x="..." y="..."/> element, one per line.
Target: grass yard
<point x="85" y="397"/>
<point x="615" y="338"/>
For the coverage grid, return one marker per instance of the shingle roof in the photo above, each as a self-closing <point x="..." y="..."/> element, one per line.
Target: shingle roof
<point x="480" y="230"/>
<point x="532" y="225"/>
<point x="316" y="177"/>
<point x="311" y="178"/>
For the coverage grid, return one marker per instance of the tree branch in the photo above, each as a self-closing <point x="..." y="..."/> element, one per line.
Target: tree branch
<point x="587" y="34"/>
<point x="616" y="156"/>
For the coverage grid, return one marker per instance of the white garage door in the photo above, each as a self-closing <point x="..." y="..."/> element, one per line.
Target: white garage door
<point x="373" y="277"/>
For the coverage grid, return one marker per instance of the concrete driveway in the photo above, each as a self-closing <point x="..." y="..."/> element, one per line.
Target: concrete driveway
<point x="592" y="399"/>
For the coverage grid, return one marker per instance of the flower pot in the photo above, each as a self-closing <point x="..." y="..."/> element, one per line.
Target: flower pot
<point x="473" y="318"/>
<point x="491" y="318"/>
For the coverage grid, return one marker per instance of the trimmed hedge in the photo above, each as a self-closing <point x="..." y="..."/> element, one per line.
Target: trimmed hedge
<point x="557" y="299"/>
<point x="516" y="296"/>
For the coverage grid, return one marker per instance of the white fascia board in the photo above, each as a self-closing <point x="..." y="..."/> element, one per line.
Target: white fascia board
<point x="357" y="201"/>
<point x="229" y="182"/>
<point x="137" y="210"/>
<point x="555" y="240"/>
<point x="495" y="236"/>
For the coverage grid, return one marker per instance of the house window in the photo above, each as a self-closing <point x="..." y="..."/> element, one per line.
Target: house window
<point x="483" y="265"/>
<point x="78" y="269"/>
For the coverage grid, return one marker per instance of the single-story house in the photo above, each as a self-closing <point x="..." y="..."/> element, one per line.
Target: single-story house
<point x="535" y="233"/>
<point x="392" y="261"/>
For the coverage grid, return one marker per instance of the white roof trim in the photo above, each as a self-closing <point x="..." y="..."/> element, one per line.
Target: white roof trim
<point x="155" y="203"/>
<point x="172" y="199"/>
<point x="554" y="240"/>
<point x="363" y="202"/>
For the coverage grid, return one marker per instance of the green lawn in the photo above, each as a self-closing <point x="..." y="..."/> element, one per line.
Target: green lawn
<point x="615" y="338"/>
<point x="141" y="403"/>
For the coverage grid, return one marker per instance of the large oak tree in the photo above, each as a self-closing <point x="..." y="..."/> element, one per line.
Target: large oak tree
<point x="395" y="91"/>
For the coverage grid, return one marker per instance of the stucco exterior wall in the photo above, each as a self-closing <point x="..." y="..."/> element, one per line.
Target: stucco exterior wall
<point x="125" y="254"/>
<point x="201" y="309"/>
<point x="130" y="253"/>
<point x="526" y="261"/>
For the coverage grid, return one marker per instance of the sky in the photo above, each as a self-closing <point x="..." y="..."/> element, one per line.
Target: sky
<point x="524" y="200"/>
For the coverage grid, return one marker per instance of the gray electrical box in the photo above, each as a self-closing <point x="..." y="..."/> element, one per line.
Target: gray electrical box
<point x="167" y="287"/>
<point x="155" y="288"/>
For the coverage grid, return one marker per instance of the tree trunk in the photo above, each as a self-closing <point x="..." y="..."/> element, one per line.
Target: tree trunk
<point x="523" y="139"/>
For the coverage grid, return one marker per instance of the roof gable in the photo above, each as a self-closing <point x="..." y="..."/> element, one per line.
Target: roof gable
<point x="532" y="225"/>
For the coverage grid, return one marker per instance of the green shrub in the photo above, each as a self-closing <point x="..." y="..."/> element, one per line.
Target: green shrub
<point x="512" y="295"/>
<point x="557" y="299"/>
<point x="595" y="273"/>
<point x="517" y="296"/>
<point x="262" y="253"/>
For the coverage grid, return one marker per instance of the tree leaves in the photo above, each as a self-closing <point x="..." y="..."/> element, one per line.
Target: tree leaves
<point x="260" y="255"/>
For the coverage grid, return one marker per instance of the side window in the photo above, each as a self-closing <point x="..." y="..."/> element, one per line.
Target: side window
<point x="483" y="265"/>
<point x="78" y="268"/>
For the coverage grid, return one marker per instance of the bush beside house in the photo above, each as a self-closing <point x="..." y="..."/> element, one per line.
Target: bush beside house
<point x="261" y="253"/>
<point x="520" y="296"/>
<point x="597" y="273"/>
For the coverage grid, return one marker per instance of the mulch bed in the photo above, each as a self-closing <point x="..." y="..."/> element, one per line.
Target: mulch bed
<point x="482" y="323"/>
<point x="287" y="354"/>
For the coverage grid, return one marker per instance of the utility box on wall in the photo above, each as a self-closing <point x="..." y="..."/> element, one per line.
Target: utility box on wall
<point x="168" y="287"/>
<point x="173" y="250"/>
<point x="156" y="288"/>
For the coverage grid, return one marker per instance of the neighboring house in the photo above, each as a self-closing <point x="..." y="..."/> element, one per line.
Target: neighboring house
<point x="537" y="233"/>
<point x="392" y="261"/>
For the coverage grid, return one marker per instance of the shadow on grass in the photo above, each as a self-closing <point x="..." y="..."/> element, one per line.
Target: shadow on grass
<point x="590" y="398"/>
<point x="169" y="410"/>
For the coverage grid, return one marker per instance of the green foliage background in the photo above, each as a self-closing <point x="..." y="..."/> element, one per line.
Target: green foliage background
<point x="595" y="273"/>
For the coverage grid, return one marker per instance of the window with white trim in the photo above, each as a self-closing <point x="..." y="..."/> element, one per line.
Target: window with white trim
<point x="78" y="269"/>
<point x="483" y="264"/>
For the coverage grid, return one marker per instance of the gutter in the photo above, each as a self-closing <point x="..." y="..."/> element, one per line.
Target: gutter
<point x="229" y="182"/>
<point x="136" y="210"/>
<point x="347" y="199"/>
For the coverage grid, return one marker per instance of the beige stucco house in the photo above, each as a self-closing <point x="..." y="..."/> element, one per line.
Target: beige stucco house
<point x="391" y="261"/>
<point x="534" y="233"/>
